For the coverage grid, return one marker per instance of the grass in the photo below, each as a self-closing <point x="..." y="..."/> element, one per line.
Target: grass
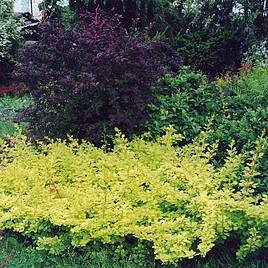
<point x="15" y="254"/>
<point x="10" y="105"/>
<point x="9" y="108"/>
<point x="7" y="128"/>
<point x="21" y="256"/>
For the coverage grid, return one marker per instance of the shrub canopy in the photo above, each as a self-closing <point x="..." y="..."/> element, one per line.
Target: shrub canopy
<point x="237" y="106"/>
<point x="92" y="78"/>
<point x="63" y="194"/>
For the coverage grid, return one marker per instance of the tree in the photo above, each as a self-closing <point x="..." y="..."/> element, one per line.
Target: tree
<point x="212" y="35"/>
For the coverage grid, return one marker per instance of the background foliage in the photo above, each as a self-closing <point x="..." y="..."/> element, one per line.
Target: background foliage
<point x="212" y="35"/>
<point x="236" y="105"/>
<point x="9" y="37"/>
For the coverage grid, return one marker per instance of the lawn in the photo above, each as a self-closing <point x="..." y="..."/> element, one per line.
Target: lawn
<point x="9" y="109"/>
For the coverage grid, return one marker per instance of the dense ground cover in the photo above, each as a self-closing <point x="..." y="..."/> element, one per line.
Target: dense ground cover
<point x="141" y="198"/>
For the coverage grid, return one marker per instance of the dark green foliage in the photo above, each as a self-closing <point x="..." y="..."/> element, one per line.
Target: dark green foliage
<point x="186" y="102"/>
<point x="212" y="35"/>
<point x="237" y="107"/>
<point x="15" y="253"/>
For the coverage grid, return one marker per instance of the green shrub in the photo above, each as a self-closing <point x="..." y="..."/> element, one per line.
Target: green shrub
<point x="9" y="37"/>
<point x="186" y="102"/>
<point x="245" y="105"/>
<point x="238" y="106"/>
<point x="149" y="194"/>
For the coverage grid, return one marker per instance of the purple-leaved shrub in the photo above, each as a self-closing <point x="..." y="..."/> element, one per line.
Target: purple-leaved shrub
<point x="90" y="79"/>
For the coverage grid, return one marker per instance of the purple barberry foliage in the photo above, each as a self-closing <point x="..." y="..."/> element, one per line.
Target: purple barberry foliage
<point x="90" y="79"/>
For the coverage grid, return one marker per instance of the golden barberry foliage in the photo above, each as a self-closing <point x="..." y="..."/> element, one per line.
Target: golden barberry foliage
<point x="64" y="194"/>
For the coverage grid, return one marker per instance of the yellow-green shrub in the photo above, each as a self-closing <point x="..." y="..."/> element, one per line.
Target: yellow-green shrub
<point x="66" y="194"/>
